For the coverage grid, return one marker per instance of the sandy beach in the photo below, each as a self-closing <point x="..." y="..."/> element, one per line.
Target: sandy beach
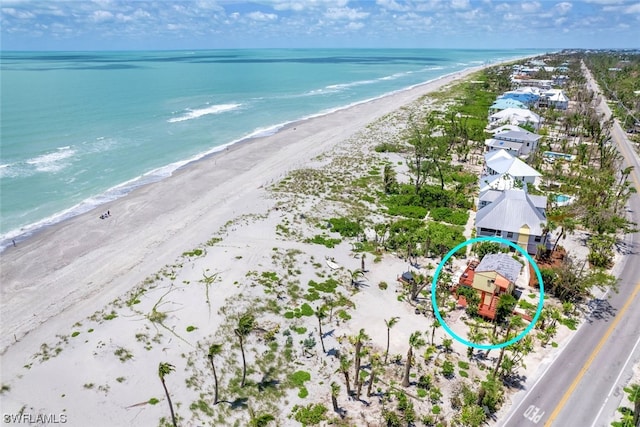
<point x="91" y="306"/>
<point x="69" y="271"/>
<point x="85" y="261"/>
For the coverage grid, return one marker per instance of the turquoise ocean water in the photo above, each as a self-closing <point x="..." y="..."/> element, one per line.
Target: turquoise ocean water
<point x="78" y="129"/>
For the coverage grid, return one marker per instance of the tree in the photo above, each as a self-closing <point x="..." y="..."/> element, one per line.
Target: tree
<point x="261" y="420"/>
<point x="214" y="350"/>
<point x="321" y="314"/>
<point x="335" y="390"/>
<point x="374" y="362"/>
<point x="389" y="179"/>
<point x="358" y="341"/>
<point x="390" y="324"/>
<point x="505" y="306"/>
<point x="246" y="324"/>
<point x="415" y="341"/>
<point x="344" y="368"/>
<point x="354" y="275"/>
<point x="165" y="369"/>
<point x="484" y="248"/>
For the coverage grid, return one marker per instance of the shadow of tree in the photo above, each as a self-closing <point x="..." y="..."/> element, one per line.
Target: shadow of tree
<point x="600" y="309"/>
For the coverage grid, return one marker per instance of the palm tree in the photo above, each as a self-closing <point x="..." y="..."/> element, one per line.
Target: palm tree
<point x="357" y="342"/>
<point x="354" y="275"/>
<point x="261" y="420"/>
<point x="246" y="324"/>
<point x="335" y="390"/>
<point x="390" y="324"/>
<point x="344" y="368"/>
<point x="375" y="365"/>
<point x="415" y="341"/>
<point x="214" y="350"/>
<point x="434" y="326"/>
<point x="321" y="314"/>
<point x="163" y="370"/>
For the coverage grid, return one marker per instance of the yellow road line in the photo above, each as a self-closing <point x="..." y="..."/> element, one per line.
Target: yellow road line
<point x="593" y="355"/>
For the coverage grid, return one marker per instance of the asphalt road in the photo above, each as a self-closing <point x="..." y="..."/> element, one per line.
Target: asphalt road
<point x="582" y="387"/>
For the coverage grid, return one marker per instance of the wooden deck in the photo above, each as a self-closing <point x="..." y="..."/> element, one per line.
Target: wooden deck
<point x="467" y="277"/>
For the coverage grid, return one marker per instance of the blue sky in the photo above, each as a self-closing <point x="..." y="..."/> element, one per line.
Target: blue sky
<point x="202" y="24"/>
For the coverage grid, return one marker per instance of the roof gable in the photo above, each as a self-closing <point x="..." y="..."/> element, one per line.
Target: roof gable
<point x="509" y="212"/>
<point x="503" y="264"/>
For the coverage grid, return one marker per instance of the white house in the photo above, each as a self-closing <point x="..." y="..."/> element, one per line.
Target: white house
<point x="516" y="142"/>
<point x="501" y="162"/>
<point x="514" y="216"/>
<point x="554" y="98"/>
<point x="515" y="116"/>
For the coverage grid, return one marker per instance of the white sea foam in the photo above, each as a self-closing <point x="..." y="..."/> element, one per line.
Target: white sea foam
<point x="212" y="109"/>
<point x="52" y="162"/>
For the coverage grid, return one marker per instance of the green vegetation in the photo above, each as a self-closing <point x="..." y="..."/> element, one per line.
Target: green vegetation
<point x="321" y="239"/>
<point x="312" y="414"/>
<point x="345" y="227"/>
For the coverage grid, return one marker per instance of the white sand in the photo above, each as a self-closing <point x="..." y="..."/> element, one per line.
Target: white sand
<point x="66" y="273"/>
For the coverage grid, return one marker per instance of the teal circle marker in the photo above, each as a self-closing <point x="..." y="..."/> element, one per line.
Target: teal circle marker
<point x="434" y="284"/>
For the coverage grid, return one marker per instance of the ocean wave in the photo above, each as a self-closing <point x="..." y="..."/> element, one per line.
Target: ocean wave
<point x="53" y="161"/>
<point x="212" y="109"/>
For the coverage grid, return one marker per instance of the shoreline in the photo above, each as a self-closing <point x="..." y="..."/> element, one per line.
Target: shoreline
<point x="74" y="260"/>
<point x="154" y="176"/>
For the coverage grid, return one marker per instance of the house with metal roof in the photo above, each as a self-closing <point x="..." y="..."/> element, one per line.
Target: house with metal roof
<point x="500" y="162"/>
<point x="516" y="143"/>
<point x="494" y="276"/>
<point x="504" y="103"/>
<point x="516" y="216"/>
<point x="515" y="116"/>
<point x="527" y="95"/>
<point x="554" y="98"/>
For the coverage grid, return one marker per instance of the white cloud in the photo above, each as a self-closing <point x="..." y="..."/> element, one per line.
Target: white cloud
<point x="393" y="5"/>
<point x="337" y="13"/>
<point x="261" y="16"/>
<point x="530" y="7"/>
<point x="460" y="4"/>
<point x="632" y="9"/>
<point x="562" y="8"/>
<point x="354" y="25"/>
<point x="20" y="14"/>
<point x="300" y="5"/>
<point x="511" y="17"/>
<point x="101" y="16"/>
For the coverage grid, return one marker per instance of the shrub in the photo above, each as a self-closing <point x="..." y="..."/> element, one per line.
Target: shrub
<point x="311" y="414"/>
<point x="382" y="285"/>
<point x="447" y="369"/>
<point x="324" y="240"/>
<point x="153" y="401"/>
<point x="345" y="227"/>
<point x="306" y="310"/>
<point x="452" y="216"/>
<point x="435" y="410"/>
<point x="191" y="328"/>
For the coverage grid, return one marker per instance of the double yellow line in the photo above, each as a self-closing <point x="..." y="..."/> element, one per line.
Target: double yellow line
<point x="623" y="148"/>
<point x="592" y="357"/>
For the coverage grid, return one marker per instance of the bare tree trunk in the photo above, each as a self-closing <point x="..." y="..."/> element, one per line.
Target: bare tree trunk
<point x="321" y="337"/>
<point x="166" y="392"/>
<point x="407" y="368"/>
<point x="215" y="381"/>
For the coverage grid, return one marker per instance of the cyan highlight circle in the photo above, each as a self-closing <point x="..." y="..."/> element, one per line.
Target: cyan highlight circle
<point x="434" y="283"/>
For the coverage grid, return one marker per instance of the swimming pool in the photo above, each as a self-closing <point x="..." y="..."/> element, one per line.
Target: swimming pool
<point x="555" y="155"/>
<point x="562" y="198"/>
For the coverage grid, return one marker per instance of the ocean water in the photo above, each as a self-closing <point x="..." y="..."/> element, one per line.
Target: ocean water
<point x="78" y="129"/>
